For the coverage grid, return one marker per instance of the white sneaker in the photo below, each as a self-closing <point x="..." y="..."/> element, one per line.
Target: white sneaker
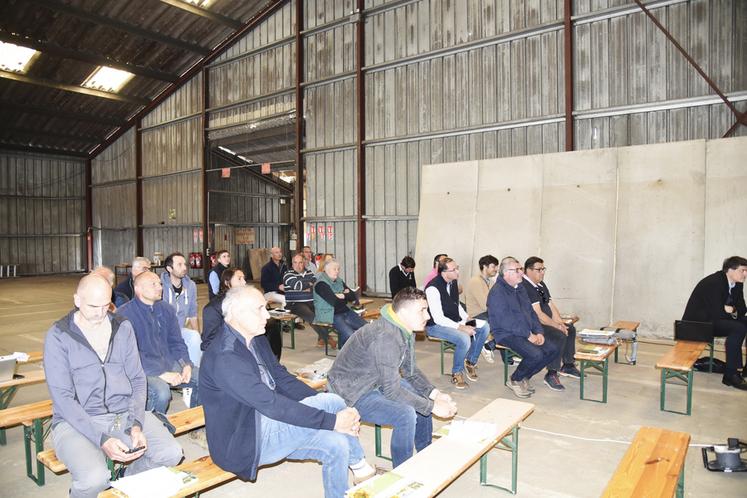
<point x="487" y="355"/>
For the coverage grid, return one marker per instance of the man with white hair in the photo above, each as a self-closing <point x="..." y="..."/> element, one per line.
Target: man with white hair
<point x="127" y="288"/>
<point x="272" y="277"/>
<point x="256" y="413"/>
<point x="98" y="390"/>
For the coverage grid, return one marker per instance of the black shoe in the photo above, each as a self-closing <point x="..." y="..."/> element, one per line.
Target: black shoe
<point x="735" y="380"/>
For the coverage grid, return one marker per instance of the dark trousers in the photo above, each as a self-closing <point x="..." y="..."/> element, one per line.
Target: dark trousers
<point x="734" y="331"/>
<point x="533" y="358"/>
<point x="567" y="346"/>
<point x="274" y="335"/>
<point x="306" y="312"/>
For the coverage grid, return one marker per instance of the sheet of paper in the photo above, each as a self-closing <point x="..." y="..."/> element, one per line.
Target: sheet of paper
<point x="470" y="430"/>
<point x="160" y="482"/>
<point x="387" y="486"/>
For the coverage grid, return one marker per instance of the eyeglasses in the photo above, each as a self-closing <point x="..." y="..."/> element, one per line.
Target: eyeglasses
<point x="517" y="270"/>
<point x="539" y="269"/>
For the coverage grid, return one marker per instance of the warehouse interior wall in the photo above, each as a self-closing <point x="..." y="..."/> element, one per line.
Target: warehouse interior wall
<point x="625" y="233"/>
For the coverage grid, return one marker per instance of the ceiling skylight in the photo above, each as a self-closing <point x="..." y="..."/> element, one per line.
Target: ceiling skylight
<point x="200" y="3"/>
<point x="107" y="79"/>
<point x="16" y="58"/>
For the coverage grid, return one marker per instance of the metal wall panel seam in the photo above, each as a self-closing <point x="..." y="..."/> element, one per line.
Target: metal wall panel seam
<point x="390" y="217"/>
<point x="42" y="197"/>
<point x="260" y="195"/>
<point x="312" y="219"/>
<point x="172" y="121"/>
<point x="329" y="79"/>
<point x="612" y="12"/>
<point x="659" y="106"/>
<point x="40" y="235"/>
<point x="173" y="173"/>
<point x="243" y="55"/>
<point x="279" y="93"/>
<point x="508" y="125"/>
<point x="331" y="148"/>
<point x="171" y="225"/>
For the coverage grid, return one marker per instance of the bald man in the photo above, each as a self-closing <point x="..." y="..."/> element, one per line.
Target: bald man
<point x="98" y="391"/>
<point x="256" y="413"/>
<point x="163" y="352"/>
<point x="272" y="277"/>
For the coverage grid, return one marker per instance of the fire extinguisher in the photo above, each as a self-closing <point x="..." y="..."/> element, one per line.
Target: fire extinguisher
<point x="198" y="260"/>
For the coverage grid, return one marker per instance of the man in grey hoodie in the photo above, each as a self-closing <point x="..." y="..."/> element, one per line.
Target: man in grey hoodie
<point x="375" y="373"/>
<point x="98" y="390"/>
<point x="180" y="292"/>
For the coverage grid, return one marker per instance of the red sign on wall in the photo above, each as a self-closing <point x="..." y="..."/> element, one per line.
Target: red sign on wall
<point x="330" y="232"/>
<point x="266" y="168"/>
<point x="225" y="172"/>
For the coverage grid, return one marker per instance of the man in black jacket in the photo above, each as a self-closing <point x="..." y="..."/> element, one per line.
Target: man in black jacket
<point x="402" y="275"/>
<point x="719" y="299"/>
<point x="256" y="413"/>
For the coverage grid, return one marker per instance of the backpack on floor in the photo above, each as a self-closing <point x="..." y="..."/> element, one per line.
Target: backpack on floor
<point x="701" y="365"/>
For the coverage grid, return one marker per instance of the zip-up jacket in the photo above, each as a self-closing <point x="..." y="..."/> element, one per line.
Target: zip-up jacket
<point x="81" y="385"/>
<point x="184" y="304"/>
<point x="378" y="356"/>
<point x="159" y="337"/>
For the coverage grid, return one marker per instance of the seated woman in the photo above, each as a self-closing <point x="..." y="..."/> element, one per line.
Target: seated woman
<point x="212" y="316"/>
<point x="331" y="298"/>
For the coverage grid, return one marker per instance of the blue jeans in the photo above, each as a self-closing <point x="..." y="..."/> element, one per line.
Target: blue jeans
<point x="346" y="324"/>
<point x="408" y="426"/>
<point x="334" y="450"/>
<point x="533" y="358"/>
<point x="193" y="341"/>
<point x="462" y="342"/>
<point x="159" y="391"/>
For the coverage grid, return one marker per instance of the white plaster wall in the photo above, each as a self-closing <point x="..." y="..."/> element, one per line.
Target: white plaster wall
<point x="626" y="233"/>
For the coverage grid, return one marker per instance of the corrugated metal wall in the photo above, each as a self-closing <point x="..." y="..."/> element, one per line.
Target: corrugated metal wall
<point x="42" y="211"/>
<point x="172" y="156"/>
<point x="444" y="81"/>
<point x="114" y="207"/>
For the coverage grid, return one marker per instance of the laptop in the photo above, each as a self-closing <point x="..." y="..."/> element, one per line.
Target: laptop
<point x="693" y="331"/>
<point x="7" y="368"/>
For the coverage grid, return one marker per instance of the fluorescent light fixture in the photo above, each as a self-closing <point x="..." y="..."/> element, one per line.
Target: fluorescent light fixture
<point x="16" y="58"/>
<point x="107" y="79"/>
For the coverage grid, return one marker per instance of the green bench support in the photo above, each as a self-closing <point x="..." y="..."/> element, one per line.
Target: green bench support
<point x="6" y="395"/>
<point x="601" y="366"/>
<point x="687" y="378"/>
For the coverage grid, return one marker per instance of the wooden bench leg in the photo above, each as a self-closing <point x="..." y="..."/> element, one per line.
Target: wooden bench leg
<point x="377" y="441"/>
<point x="5" y="396"/>
<point x="600" y="366"/>
<point x="35" y="433"/>
<point x="667" y="374"/>
<point x="509" y="443"/>
<point x="680" y="491"/>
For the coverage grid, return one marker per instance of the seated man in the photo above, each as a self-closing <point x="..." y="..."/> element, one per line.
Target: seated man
<point x="331" y="298"/>
<point x="163" y="353"/>
<point x="434" y="272"/>
<point x="98" y="389"/>
<point x="719" y="299"/>
<point x="299" y="296"/>
<point x="222" y="261"/>
<point x="448" y="321"/>
<point x="180" y="292"/>
<point x="515" y="325"/>
<point x="552" y="324"/>
<point x="256" y="413"/>
<point x="126" y="289"/>
<point x="272" y="277"/>
<point x="308" y="257"/>
<point x="402" y="275"/>
<point x="476" y="297"/>
<point x="376" y="374"/>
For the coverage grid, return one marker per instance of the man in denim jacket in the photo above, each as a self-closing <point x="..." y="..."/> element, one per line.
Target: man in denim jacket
<point x="97" y="386"/>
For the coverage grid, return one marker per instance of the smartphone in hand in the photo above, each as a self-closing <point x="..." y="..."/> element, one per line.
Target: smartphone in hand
<point x="135" y="450"/>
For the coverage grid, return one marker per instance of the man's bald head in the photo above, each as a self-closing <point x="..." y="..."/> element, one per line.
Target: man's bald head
<point x="148" y="287"/>
<point x="92" y="298"/>
<point x="276" y="253"/>
<point x="106" y="273"/>
<point x="245" y="309"/>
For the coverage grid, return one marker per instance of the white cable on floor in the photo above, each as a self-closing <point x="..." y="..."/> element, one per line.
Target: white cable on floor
<point x="596" y="440"/>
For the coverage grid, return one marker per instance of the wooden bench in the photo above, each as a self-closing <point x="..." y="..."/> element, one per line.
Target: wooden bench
<point x="446" y="459"/>
<point x="287" y="324"/>
<point x="183" y="421"/>
<point x="654" y="465"/>
<point x="598" y="361"/>
<point x="32" y="416"/>
<point x="677" y="363"/>
<point x="208" y="476"/>
<point x="8" y="388"/>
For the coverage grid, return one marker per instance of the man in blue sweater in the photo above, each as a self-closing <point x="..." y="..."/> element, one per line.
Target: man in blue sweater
<point x="515" y="325"/>
<point x="256" y="413"/>
<point x="162" y="350"/>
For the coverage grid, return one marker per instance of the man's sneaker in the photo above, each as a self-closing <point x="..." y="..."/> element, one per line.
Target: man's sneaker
<point x="470" y="370"/>
<point x="553" y="382"/>
<point x="519" y="388"/>
<point x="487" y="355"/>
<point x="458" y="381"/>
<point x="529" y="385"/>
<point x="570" y="370"/>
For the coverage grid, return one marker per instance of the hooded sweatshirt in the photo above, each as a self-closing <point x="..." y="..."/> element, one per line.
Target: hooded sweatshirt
<point x="184" y="303"/>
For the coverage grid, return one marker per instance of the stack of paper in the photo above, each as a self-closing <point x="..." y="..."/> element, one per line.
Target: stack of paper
<point x="160" y="482"/>
<point x="388" y="485"/>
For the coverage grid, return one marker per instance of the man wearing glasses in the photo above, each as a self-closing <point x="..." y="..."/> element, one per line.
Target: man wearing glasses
<point x="515" y="325"/>
<point x="449" y="320"/>
<point x="549" y="317"/>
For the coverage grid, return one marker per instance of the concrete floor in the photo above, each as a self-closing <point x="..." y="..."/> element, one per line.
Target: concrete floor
<point x="550" y="465"/>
